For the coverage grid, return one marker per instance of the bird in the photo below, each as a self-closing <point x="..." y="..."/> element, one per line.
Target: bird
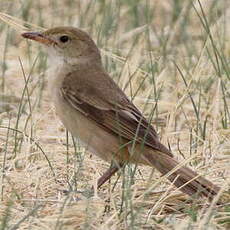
<point x="94" y="109"/>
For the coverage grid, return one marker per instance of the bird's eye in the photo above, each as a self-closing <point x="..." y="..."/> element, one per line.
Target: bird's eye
<point x="64" y="38"/>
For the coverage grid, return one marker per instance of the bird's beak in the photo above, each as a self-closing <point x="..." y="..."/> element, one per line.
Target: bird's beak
<point x="39" y="37"/>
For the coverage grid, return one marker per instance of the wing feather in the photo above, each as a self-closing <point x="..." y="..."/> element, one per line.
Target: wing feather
<point x="116" y="116"/>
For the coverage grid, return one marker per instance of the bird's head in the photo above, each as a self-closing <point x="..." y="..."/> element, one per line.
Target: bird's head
<point x="69" y="43"/>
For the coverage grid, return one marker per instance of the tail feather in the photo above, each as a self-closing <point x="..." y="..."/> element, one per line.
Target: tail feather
<point x="183" y="178"/>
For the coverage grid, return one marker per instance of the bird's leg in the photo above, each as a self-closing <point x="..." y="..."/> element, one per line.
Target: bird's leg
<point x="107" y="175"/>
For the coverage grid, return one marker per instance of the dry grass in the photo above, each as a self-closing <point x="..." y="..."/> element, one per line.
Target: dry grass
<point x="172" y="59"/>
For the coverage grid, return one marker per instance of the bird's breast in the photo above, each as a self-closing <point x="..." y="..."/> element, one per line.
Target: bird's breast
<point x="91" y="135"/>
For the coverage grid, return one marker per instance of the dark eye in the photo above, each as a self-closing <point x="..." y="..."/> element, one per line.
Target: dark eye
<point x="64" y="38"/>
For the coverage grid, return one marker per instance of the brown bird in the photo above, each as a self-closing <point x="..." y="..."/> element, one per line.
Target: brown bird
<point x="94" y="109"/>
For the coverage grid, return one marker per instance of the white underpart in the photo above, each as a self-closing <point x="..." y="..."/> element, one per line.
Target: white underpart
<point x="55" y="64"/>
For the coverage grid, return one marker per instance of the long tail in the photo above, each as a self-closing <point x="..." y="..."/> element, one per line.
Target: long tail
<point x="183" y="178"/>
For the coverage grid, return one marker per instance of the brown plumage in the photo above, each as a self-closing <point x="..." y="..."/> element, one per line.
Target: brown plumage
<point x="95" y="109"/>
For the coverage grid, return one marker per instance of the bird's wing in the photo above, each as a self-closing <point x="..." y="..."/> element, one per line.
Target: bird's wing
<point x="107" y="105"/>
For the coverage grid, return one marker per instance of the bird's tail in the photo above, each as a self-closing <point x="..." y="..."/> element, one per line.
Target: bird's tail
<point x="183" y="178"/>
